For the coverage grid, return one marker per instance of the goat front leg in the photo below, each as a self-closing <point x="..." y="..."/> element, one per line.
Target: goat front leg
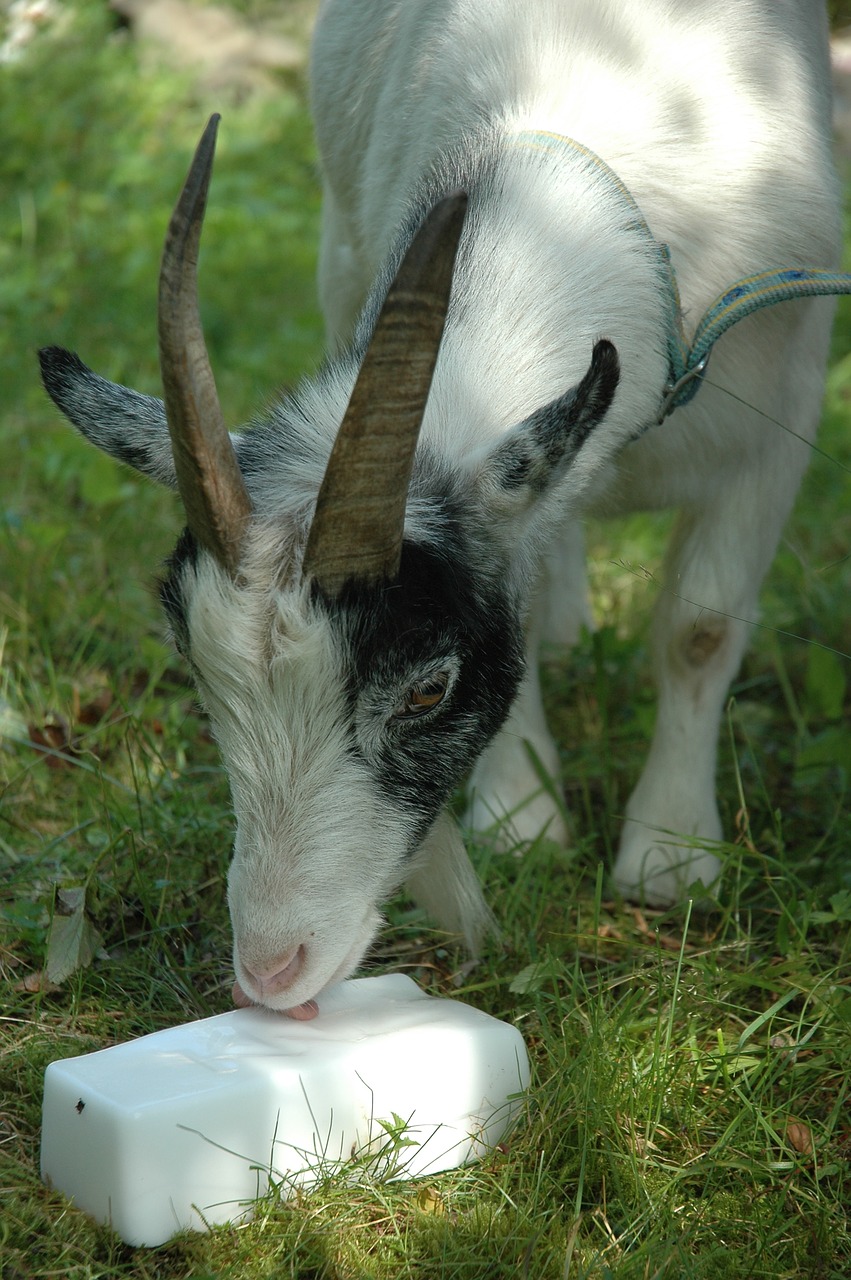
<point x="717" y="559"/>
<point x="443" y="881"/>
<point x="506" y="788"/>
<point x="507" y="793"/>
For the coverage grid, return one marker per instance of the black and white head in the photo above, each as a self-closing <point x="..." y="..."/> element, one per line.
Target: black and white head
<point x="352" y="622"/>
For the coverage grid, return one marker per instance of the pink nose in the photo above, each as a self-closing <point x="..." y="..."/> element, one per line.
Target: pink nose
<point x="279" y="975"/>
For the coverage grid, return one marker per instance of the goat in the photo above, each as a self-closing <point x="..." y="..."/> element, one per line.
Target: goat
<point x="367" y="574"/>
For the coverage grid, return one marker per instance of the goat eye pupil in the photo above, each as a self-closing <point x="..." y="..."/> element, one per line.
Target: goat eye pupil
<point x="424" y="695"/>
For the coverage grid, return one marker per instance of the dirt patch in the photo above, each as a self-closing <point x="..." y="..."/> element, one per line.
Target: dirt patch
<point x="232" y="54"/>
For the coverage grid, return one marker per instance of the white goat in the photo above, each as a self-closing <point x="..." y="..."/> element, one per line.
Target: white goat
<point x="360" y="650"/>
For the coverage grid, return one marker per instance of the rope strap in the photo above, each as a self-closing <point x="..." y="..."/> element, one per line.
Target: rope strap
<point x="688" y="362"/>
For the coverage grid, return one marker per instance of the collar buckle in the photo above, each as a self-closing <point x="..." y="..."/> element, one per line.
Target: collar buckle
<point x="673" y="396"/>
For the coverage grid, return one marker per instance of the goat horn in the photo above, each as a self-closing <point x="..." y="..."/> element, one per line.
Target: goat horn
<point x="208" y="476"/>
<point x="359" y="522"/>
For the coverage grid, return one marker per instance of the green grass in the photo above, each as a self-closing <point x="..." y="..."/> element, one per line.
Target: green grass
<point x="689" y="1112"/>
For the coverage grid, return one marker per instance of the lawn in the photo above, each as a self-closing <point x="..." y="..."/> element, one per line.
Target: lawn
<point x="689" y="1113"/>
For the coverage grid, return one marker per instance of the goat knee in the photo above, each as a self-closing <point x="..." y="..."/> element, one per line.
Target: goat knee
<point x="700" y="644"/>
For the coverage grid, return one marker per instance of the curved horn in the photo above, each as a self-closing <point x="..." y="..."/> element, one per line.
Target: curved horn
<point x="211" y="485"/>
<point x="360" y="512"/>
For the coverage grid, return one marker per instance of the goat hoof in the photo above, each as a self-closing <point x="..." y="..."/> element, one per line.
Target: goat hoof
<point x="511" y="831"/>
<point x="659" y="871"/>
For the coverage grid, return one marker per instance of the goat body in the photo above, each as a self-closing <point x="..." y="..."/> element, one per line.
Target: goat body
<point x="346" y="717"/>
<point x="717" y="120"/>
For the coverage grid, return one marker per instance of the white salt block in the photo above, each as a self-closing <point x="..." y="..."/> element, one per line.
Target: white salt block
<point x="186" y="1127"/>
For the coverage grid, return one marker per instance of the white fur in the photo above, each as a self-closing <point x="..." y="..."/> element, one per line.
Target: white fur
<point x="267" y="666"/>
<point x="716" y="117"/>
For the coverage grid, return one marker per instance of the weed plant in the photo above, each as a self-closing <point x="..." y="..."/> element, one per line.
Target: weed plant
<point x="689" y="1111"/>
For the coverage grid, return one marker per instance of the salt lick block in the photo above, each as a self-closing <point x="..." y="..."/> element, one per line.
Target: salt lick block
<point x="186" y="1127"/>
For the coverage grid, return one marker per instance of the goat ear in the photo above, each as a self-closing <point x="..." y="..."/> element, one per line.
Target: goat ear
<point x="128" y="426"/>
<point x="537" y="453"/>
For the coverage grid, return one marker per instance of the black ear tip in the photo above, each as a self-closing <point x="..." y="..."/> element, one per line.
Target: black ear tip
<point x="59" y="368"/>
<point x="604" y="357"/>
<point x="58" y="357"/>
<point x="605" y="370"/>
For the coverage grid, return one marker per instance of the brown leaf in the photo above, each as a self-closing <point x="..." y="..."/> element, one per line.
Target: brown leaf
<point x="52" y="736"/>
<point x="665" y="940"/>
<point x="91" y="713"/>
<point x="799" y="1136"/>
<point x="55" y="735"/>
<point x="35" y="983"/>
<point x="609" y="931"/>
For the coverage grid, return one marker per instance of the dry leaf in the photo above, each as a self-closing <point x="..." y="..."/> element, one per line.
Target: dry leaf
<point x="35" y="983"/>
<point x="92" y="713"/>
<point x="430" y="1201"/>
<point x="799" y="1136"/>
<point x="52" y="736"/>
<point x="609" y="931"/>
<point x="665" y="940"/>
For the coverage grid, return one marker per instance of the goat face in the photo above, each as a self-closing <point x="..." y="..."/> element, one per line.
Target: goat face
<point x="354" y="658"/>
<point x="344" y="724"/>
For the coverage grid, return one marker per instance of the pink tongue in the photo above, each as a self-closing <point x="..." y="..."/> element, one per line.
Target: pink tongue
<point x="301" y="1012"/>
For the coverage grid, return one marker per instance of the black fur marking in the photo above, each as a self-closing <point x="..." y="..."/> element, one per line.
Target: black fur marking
<point x="562" y="427"/>
<point x="596" y="391"/>
<point x="171" y="590"/>
<point x="515" y="469"/>
<point x="541" y="446"/>
<point x="127" y="425"/>
<point x="430" y="612"/>
<point x="133" y="455"/>
<point x="59" y="370"/>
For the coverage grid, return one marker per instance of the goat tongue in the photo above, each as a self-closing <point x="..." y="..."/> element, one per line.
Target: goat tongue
<point x="303" y="1012"/>
<point x="300" y="1012"/>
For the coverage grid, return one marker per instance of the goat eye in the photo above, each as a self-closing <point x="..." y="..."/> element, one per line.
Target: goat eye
<point x="423" y="696"/>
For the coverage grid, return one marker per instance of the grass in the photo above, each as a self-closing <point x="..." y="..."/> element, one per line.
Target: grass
<point x="688" y="1115"/>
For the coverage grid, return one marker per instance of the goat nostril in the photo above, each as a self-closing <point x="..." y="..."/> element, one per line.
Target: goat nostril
<point x="280" y="974"/>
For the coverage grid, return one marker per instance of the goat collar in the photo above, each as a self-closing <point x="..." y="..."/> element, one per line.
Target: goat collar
<point x="687" y="361"/>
